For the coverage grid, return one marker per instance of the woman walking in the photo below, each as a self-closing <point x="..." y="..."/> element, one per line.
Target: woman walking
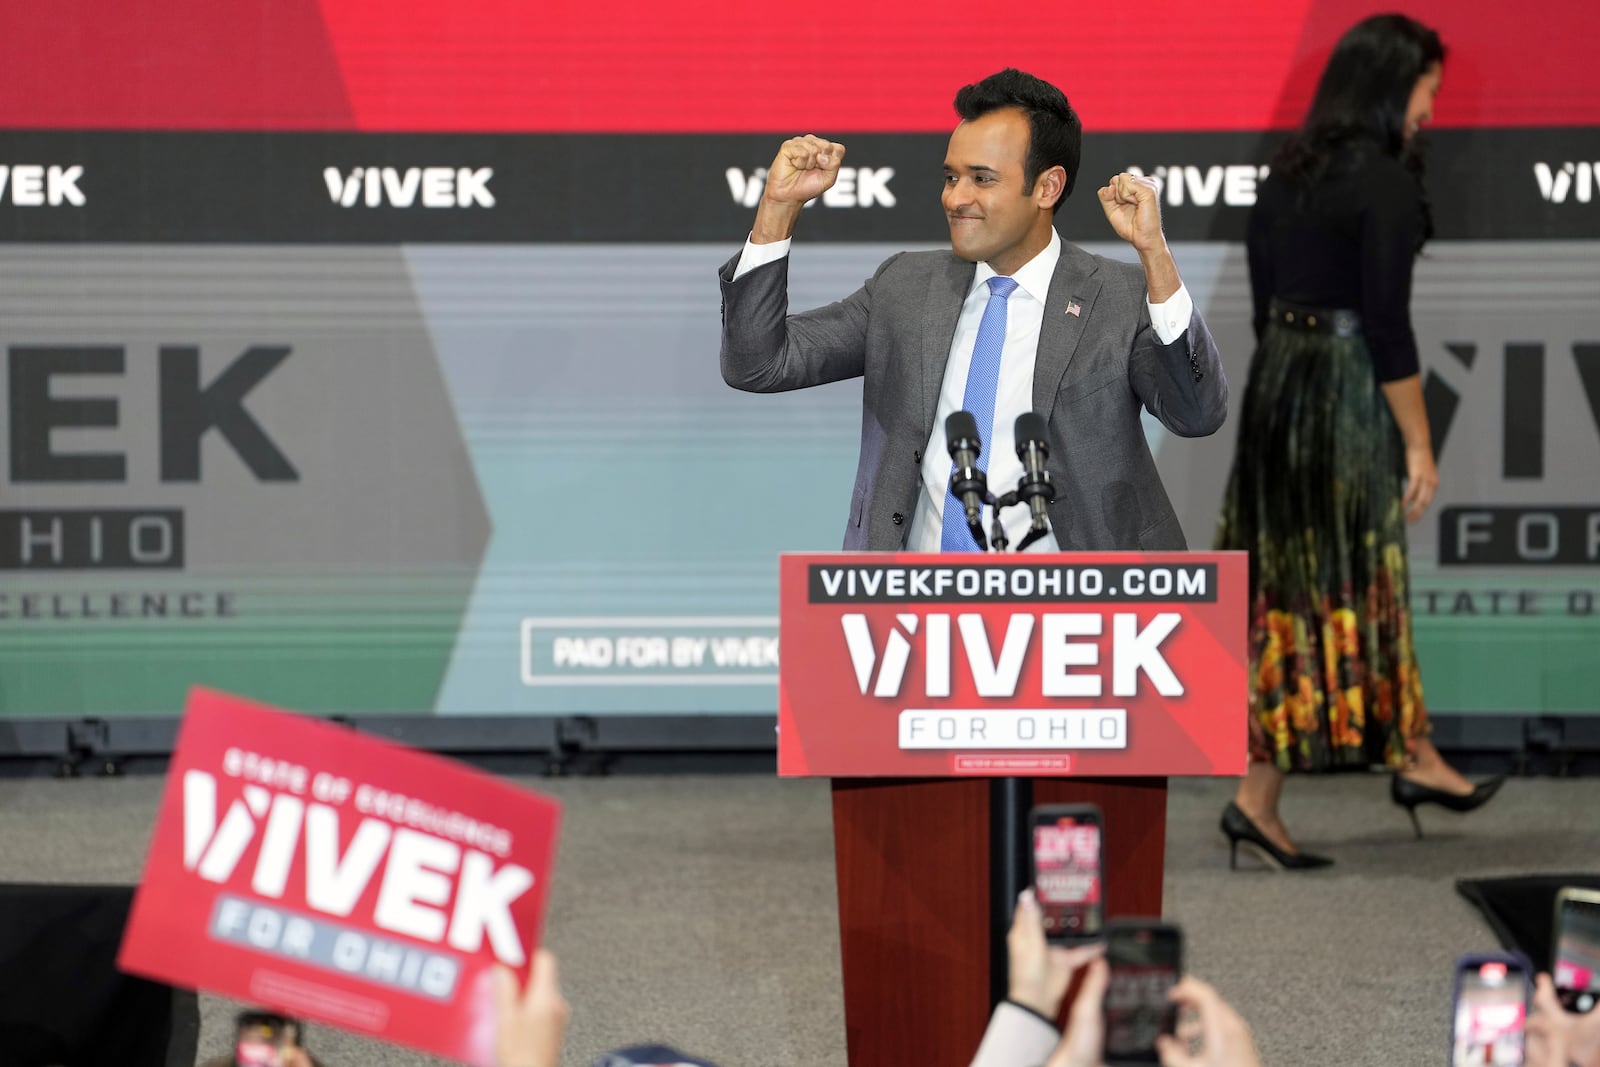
<point x="1334" y="452"/>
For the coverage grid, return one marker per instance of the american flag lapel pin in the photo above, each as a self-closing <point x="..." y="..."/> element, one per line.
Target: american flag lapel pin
<point x="1074" y="309"/>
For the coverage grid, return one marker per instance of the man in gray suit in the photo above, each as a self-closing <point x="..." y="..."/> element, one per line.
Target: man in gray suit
<point x="1010" y="320"/>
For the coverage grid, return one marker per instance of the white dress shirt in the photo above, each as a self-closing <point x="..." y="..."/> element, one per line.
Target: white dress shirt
<point x="1013" y="393"/>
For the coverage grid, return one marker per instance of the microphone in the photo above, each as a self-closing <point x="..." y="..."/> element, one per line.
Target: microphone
<point x="1034" y="486"/>
<point x="969" y="484"/>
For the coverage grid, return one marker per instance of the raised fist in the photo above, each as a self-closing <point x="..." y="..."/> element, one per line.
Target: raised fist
<point x="1133" y="206"/>
<point x="804" y="169"/>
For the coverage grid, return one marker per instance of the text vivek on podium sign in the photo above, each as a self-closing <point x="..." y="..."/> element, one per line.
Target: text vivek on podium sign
<point x="1110" y="664"/>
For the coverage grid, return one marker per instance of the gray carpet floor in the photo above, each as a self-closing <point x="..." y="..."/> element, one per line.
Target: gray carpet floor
<point x="700" y="911"/>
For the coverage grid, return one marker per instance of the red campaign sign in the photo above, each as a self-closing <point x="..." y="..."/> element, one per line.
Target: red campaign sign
<point x="1102" y="664"/>
<point x="337" y="877"/>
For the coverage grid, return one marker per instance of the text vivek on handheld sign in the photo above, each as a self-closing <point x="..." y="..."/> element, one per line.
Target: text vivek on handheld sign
<point x="302" y="866"/>
<point x="1105" y="663"/>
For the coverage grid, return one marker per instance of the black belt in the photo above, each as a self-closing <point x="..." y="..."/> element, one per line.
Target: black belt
<point x="1338" y="322"/>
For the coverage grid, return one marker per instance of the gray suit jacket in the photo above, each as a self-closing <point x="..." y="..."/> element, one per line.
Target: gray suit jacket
<point x="1093" y="373"/>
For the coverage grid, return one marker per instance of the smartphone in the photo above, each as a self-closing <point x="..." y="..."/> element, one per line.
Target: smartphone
<point x="1146" y="961"/>
<point x="1068" y="859"/>
<point x="1492" y="991"/>
<point x="1576" y="968"/>
<point x="260" y="1038"/>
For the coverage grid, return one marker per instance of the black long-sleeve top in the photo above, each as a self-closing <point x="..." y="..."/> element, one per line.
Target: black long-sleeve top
<point x="1349" y="245"/>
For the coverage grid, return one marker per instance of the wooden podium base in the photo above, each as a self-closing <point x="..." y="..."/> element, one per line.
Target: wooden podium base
<point x="917" y="934"/>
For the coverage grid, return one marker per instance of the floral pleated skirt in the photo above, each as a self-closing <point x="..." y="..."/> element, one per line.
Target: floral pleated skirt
<point x="1315" y="498"/>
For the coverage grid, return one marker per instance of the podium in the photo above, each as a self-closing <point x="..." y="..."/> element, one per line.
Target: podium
<point x="945" y="695"/>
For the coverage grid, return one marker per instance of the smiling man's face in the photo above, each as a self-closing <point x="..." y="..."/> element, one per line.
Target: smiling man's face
<point x="994" y="218"/>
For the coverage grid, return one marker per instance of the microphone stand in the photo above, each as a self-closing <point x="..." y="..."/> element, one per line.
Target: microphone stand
<point x="1036" y="489"/>
<point x="997" y="535"/>
<point x="1010" y="798"/>
<point x="1033" y="535"/>
<point x="960" y="485"/>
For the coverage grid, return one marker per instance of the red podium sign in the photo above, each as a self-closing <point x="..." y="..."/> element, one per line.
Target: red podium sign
<point x="1106" y="664"/>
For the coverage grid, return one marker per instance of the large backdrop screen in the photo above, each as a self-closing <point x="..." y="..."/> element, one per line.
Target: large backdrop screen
<point x="363" y="357"/>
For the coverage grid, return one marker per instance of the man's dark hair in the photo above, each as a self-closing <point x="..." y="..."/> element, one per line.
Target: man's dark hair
<point x="1055" y="136"/>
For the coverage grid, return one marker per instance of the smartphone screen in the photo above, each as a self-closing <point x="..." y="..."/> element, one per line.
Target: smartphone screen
<point x="1491" y="1008"/>
<point x="1577" y="964"/>
<point x="1146" y="962"/>
<point x="256" y="1050"/>
<point x="1066" y="873"/>
<point x="260" y="1038"/>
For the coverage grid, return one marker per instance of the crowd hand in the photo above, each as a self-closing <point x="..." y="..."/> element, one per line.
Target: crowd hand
<point x="1583" y="1045"/>
<point x="1083" y="1043"/>
<point x="289" y="1056"/>
<point x="530" y="1025"/>
<point x="1557" y="1037"/>
<point x="1223" y="1038"/>
<point x="1549" y="1029"/>
<point x="1422" y="480"/>
<point x="804" y="169"/>
<point x="1039" y="971"/>
<point x="1132" y="204"/>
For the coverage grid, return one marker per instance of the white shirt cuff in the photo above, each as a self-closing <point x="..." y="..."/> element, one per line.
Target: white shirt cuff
<point x="759" y="255"/>
<point x="1015" y="1036"/>
<point x="1169" y="319"/>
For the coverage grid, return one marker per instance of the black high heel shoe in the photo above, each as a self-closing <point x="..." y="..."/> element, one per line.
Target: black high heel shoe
<point x="1409" y="794"/>
<point x="1237" y="827"/>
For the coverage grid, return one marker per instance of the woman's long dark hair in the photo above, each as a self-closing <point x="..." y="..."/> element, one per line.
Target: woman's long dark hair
<point x="1361" y="102"/>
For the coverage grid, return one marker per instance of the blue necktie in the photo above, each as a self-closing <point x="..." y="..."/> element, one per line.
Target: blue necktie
<point x="982" y="379"/>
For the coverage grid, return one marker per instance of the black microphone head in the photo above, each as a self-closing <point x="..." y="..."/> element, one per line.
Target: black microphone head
<point x="1030" y="430"/>
<point x="962" y="427"/>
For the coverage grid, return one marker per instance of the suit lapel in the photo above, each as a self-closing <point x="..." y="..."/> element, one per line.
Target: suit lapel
<point x="1073" y="289"/>
<point x="947" y="291"/>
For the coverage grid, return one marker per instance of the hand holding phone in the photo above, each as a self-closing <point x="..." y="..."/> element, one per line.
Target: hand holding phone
<point x="1067" y="850"/>
<point x="1549" y="1031"/>
<point x="1490" y="1010"/>
<point x="266" y="1039"/>
<point x="1146" y="962"/>
<point x="1576" y="941"/>
<point x="1082" y="1041"/>
<point x="1039" y="973"/>
<point x="1224" y="1037"/>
